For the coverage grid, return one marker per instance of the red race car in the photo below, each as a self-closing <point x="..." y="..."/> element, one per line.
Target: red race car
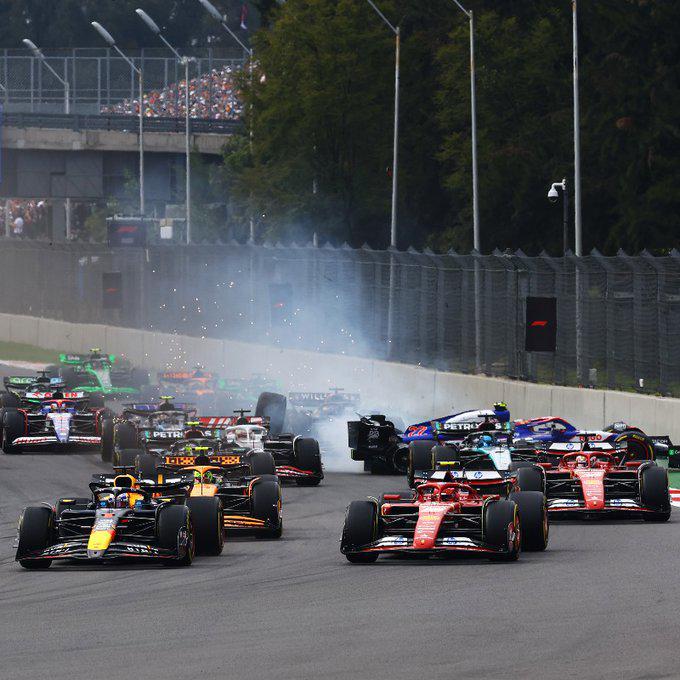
<point x="597" y="480"/>
<point x="443" y="518"/>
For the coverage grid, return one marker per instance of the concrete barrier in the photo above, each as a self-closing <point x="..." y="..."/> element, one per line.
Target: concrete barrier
<point x="416" y="393"/>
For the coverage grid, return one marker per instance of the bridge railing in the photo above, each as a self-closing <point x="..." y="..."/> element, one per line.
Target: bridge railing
<point x="97" y="78"/>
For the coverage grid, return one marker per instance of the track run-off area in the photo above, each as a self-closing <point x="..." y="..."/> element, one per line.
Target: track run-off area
<point x="601" y="602"/>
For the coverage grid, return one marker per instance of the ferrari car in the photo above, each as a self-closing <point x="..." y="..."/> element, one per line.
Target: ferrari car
<point x="122" y="519"/>
<point x="105" y="374"/>
<point x="592" y="479"/>
<point x="57" y="421"/>
<point x="437" y="518"/>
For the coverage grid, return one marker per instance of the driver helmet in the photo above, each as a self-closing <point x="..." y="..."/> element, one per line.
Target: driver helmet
<point x="581" y="461"/>
<point x="206" y="478"/>
<point x="54" y="406"/>
<point x="485" y="440"/>
<point x="123" y="500"/>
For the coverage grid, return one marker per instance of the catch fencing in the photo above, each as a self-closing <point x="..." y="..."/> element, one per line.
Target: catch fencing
<point x="618" y="318"/>
<point x="98" y="78"/>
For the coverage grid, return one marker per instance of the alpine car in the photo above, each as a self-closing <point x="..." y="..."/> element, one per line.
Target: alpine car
<point x="122" y="519"/>
<point x="105" y="374"/>
<point x="59" y="421"/>
<point x="437" y="518"/>
<point x="383" y="448"/>
<point x="592" y="479"/>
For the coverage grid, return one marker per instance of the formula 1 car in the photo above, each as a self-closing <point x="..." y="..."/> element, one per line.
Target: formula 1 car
<point x="593" y="479"/>
<point x="385" y="449"/>
<point x="307" y="409"/>
<point x="154" y="425"/>
<point x="437" y="518"/>
<point x="123" y="519"/>
<point x="105" y="374"/>
<point x="292" y="458"/>
<point x="60" y="421"/>
<point x="251" y="503"/>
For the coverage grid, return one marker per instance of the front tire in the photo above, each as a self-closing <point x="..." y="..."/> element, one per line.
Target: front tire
<point x="107" y="439"/>
<point x="360" y="529"/>
<point x="273" y="406"/>
<point x="262" y="463"/>
<point x="265" y="504"/>
<point x="35" y="534"/>
<point x="146" y="466"/>
<point x="502" y="529"/>
<point x="531" y="478"/>
<point x="420" y="459"/>
<point x="173" y="521"/>
<point x="533" y="517"/>
<point x="654" y="494"/>
<point x="13" y="426"/>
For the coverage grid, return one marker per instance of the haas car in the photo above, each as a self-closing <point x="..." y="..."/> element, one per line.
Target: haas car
<point x="59" y="421"/>
<point x="437" y="518"/>
<point x="384" y="448"/>
<point x="123" y="519"/>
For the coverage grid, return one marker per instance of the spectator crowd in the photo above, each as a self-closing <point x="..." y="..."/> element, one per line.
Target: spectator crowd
<point x="26" y="217"/>
<point x="211" y="96"/>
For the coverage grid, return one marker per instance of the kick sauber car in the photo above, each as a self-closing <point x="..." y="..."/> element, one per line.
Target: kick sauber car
<point x="123" y="519"/>
<point x="437" y="518"/>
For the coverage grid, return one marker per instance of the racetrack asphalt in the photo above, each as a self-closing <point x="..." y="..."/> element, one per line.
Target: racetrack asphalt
<point x="602" y="602"/>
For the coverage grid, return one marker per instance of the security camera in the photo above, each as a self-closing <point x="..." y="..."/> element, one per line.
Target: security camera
<point x="553" y="195"/>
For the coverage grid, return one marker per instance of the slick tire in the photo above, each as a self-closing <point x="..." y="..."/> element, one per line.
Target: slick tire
<point x="419" y="459"/>
<point x="445" y="454"/>
<point x="531" y="478"/>
<point x="500" y="519"/>
<point x="36" y="529"/>
<point x="127" y="458"/>
<point x="262" y="463"/>
<point x="9" y="399"/>
<point x="307" y="456"/>
<point x="273" y="406"/>
<point x="654" y="494"/>
<point x="107" y="439"/>
<point x="360" y="528"/>
<point x="174" y="520"/>
<point x="146" y="466"/>
<point x="208" y="520"/>
<point x="13" y="426"/>
<point x="533" y="517"/>
<point x="124" y="437"/>
<point x="265" y="504"/>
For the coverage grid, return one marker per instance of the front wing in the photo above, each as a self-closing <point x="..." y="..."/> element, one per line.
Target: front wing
<point x="447" y="544"/>
<point x="622" y="508"/>
<point x="51" y="440"/>
<point x="76" y="549"/>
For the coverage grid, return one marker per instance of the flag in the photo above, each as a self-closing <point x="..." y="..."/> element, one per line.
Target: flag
<point x="244" y="16"/>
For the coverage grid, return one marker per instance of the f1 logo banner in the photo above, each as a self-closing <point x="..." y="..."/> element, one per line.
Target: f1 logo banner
<point x="112" y="290"/>
<point x="541" y="324"/>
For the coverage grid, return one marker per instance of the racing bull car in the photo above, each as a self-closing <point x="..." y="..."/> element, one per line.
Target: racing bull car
<point x="437" y="518"/>
<point x="122" y="519"/>
<point x="60" y="421"/>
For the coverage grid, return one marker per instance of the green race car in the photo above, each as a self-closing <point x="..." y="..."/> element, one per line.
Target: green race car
<point x="97" y="372"/>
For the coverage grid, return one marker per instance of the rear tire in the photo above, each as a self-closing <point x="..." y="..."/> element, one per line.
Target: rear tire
<point x="273" y="406"/>
<point x="125" y="436"/>
<point x="500" y="519"/>
<point x="360" y="529"/>
<point x="654" y="494"/>
<point x="172" y="520"/>
<point x="127" y="458"/>
<point x="306" y="456"/>
<point x="9" y="399"/>
<point x="262" y="463"/>
<point x="107" y="439"/>
<point x="35" y="533"/>
<point x="265" y="504"/>
<point x="71" y="378"/>
<point x="533" y="517"/>
<point x="146" y="466"/>
<point x="13" y="426"/>
<point x="419" y="459"/>
<point x="445" y="454"/>
<point x="208" y="520"/>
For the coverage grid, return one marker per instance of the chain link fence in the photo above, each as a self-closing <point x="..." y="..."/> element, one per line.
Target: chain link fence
<point x="618" y="318"/>
<point x="98" y="78"/>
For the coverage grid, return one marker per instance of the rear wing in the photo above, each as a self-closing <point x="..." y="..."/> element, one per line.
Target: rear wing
<point x="46" y="396"/>
<point x="221" y="459"/>
<point x="181" y="376"/>
<point x="221" y="422"/>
